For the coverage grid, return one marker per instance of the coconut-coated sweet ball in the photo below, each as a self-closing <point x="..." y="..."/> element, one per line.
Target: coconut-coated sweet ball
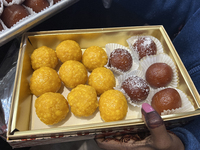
<point x="73" y="73"/>
<point x="51" y="108"/>
<point x="121" y="59"/>
<point x="136" y="88"/>
<point x="145" y="46"/>
<point x="94" y="57"/>
<point x="112" y="105"/>
<point x="44" y="57"/>
<point x="69" y="50"/>
<point x="102" y="79"/>
<point x="44" y="80"/>
<point x="83" y="100"/>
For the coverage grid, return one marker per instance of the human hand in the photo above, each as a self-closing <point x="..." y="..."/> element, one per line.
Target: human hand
<point x="160" y="138"/>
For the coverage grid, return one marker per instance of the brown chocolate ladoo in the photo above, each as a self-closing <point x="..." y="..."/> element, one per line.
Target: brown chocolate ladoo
<point x="145" y="46"/>
<point x="136" y="88"/>
<point x="166" y="99"/>
<point x="36" y="5"/>
<point x="12" y="14"/>
<point x="159" y="75"/>
<point x="121" y="59"/>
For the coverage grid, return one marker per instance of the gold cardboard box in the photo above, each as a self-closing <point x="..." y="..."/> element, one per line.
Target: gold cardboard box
<point x="25" y="129"/>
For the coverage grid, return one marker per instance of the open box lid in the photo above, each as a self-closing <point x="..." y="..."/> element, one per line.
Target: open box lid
<point x="27" y="24"/>
<point x="22" y="118"/>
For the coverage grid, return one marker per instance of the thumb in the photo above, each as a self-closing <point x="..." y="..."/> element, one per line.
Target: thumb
<point x="159" y="135"/>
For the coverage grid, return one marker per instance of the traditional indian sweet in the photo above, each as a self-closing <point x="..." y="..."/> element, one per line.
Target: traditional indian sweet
<point x="94" y="57"/>
<point x="136" y="88"/>
<point x="102" y="79"/>
<point x="83" y="100"/>
<point x="159" y="75"/>
<point x="112" y="105"/>
<point x="44" y="80"/>
<point x="51" y="108"/>
<point x="145" y="46"/>
<point x="120" y="59"/>
<point x="44" y="57"/>
<point x="69" y="50"/>
<point x="166" y="99"/>
<point x="12" y="14"/>
<point x="73" y="73"/>
<point x="37" y="5"/>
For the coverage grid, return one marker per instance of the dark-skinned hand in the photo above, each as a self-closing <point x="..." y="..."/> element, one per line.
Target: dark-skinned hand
<point x="159" y="138"/>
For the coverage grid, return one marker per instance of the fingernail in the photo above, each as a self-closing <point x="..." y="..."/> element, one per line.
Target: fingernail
<point x="152" y="118"/>
<point x="147" y="108"/>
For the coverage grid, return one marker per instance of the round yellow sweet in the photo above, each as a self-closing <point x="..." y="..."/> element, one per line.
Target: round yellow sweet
<point x="102" y="79"/>
<point x="51" y="108"/>
<point x="94" y="57"/>
<point x="44" y="57"/>
<point x="83" y="100"/>
<point x="69" y="50"/>
<point x="73" y="73"/>
<point x="112" y="105"/>
<point x="44" y="80"/>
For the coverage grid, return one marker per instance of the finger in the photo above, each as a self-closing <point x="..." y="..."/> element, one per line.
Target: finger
<point x="109" y="143"/>
<point x="159" y="135"/>
<point x="128" y="142"/>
